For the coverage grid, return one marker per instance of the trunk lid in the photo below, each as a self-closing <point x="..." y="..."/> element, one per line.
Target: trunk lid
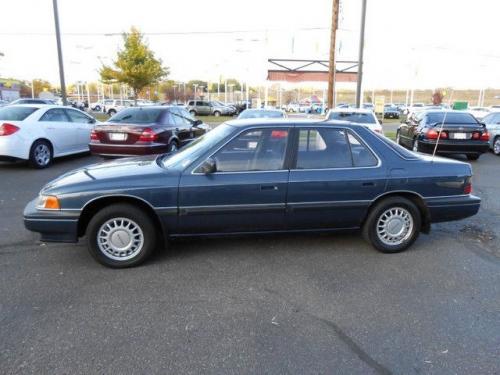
<point x="125" y="134"/>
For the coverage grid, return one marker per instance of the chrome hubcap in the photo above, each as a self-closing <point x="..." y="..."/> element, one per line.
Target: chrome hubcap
<point x="395" y="226"/>
<point x="496" y="146"/>
<point x="415" y="146"/>
<point x="42" y="154"/>
<point x="120" y="238"/>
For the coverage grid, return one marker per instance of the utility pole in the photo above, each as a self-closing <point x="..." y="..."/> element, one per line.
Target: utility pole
<point x="59" y="53"/>
<point x="360" y="56"/>
<point x="331" y="66"/>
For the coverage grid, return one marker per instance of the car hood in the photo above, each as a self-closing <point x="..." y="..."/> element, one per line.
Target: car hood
<point x="119" y="175"/>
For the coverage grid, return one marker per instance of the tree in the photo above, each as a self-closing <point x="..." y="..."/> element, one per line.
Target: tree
<point x="135" y="65"/>
<point x="437" y="96"/>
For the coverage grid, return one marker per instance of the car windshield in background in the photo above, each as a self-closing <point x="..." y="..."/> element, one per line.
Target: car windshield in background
<point x="16" y="113"/>
<point x="260" y="114"/>
<point x="138" y="115"/>
<point x="451" y="118"/>
<point x="360" y="118"/>
<point x="191" y="151"/>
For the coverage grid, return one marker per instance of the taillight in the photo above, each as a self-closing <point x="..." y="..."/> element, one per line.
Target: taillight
<point x="468" y="186"/>
<point x="8" y="129"/>
<point x="93" y="136"/>
<point x="485" y="136"/>
<point x="148" y="135"/>
<point x="476" y="135"/>
<point x="433" y="134"/>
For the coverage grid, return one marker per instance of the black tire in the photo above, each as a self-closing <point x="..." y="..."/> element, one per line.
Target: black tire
<point x="112" y="112"/>
<point x="370" y="227"/>
<point x="216" y="113"/>
<point x="398" y="137"/>
<point x="472" y="157"/>
<point x="193" y="112"/>
<point x="118" y="212"/>
<point x="41" y="154"/>
<point x="97" y="108"/>
<point x="173" y="146"/>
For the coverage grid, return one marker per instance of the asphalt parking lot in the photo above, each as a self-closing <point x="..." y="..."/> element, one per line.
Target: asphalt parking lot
<point x="280" y="304"/>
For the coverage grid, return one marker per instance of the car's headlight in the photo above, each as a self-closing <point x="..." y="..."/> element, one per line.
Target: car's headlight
<point x="48" y="202"/>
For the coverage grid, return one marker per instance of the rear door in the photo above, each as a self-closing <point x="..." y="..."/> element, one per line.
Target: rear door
<point x="246" y="193"/>
<point x="83" y="126"/>
<point x="204" y="107"/>
<point x="334" y="178"/>
<point x="182" y="126"/>
<point x="62" y="133"/>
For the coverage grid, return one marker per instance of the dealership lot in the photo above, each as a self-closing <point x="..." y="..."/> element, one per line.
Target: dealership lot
<point x="296" y="303"/>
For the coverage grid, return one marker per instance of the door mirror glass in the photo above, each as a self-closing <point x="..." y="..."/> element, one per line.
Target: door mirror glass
<point x="197" y="122"/>
<point x="208" y="166"/>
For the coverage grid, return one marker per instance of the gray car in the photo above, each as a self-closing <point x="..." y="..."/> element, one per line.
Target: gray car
<point x="207" y="108"/>
<point x="492" y="122"/>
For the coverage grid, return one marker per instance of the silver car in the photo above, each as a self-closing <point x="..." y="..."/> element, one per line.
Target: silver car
<point x="492" y="122"/>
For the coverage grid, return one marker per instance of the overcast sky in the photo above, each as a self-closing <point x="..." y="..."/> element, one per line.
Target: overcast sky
<point x="420" y="43"/>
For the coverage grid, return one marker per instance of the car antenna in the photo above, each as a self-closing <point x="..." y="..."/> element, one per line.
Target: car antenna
<point x="441" y="127"/>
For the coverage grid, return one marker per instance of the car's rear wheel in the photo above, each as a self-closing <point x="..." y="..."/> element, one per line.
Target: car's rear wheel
<point x="112" y="112"/>
<point x="496" y="146"/>
<point x="392" y="225"/>
<point x="193" y="113"/>
<point x="173" y="146"/>
<point x="97" y="108"/>
<point x="216" y="113"/>
<point x="121" y="235"/>
<point x="40" y="154"/>
<point x="473" y="156"/>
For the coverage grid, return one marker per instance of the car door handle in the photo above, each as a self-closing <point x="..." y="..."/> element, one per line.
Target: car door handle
<point x="268" y="187"/>
<point x="368" y="184"/>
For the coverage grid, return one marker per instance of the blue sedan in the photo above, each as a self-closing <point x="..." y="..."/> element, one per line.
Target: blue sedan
<point x="255" y="176"/>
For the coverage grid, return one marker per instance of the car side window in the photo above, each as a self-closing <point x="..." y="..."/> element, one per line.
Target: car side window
<point x="323" y="148"/>
<point x="78" y="117"/>
<point x="55" y="115"/>
<point x="253" y="150"/>
<point x="361" y="155"/>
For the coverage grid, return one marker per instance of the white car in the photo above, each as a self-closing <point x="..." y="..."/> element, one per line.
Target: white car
<point x="38" y="133"/>
<point x="479" y="112"/>
<point x="113" y="106"/>
<point x="362" y="116"/>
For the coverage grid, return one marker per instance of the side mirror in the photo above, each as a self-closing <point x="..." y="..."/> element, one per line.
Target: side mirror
<point x="92" y="121"/>
<point x="208" y="166"/>
<point x="197" y="122"/>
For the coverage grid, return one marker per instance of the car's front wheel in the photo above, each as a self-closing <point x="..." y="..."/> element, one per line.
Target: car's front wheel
<point x="40" y="154"/>
<point x="496" y="146"/>
<point x="216" y="113"/>
<point x="121" y="235"/>
<point x="392" y="225"/>
<point x="97" y="108"/>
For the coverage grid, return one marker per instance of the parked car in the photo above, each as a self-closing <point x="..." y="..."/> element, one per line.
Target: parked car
<point x="458" y="133"/>
<point x="391" y="111"/>
<point x="145" y="102"/>
<point x="326" y="177"/>
<point x="113" y="106"/>
<point x="207" y="108"/>
<point x="262" y="113"/>
<point x="304" y="108"/>
<point x="40" y="132"/>
<point x="492" y="122"/>
<point x="145" y="130"/>
<point x="479" y="112"/>
<point x="33" y="101"/>
<point x="3" y="103"/>
<point x="292" y="107"/>
<point x="365" y="117"/>
<point x="369" y="106"/>
<point x="96" y="106"/>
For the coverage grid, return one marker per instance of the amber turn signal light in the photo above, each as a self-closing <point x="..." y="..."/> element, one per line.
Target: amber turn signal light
<point x="49" y="202"/>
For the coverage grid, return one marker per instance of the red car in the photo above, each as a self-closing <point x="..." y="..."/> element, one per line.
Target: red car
<point x="144" y="131"/>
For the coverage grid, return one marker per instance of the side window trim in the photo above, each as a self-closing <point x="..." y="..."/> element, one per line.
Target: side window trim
<point x="52" y="110"/>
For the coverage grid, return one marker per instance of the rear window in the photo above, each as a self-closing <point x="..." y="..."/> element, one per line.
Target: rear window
<point x="400" y="150"/>
<point x="138" y="115"/>
<point x="451" y="118"/>
<point x="360" y="118"/>
<point x="16" y="113"/>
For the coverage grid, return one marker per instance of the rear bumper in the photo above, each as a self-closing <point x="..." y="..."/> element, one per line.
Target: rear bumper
<point x="127" y="150"/>
<point x="53" y="226"/>
<point x="454" y="147"/>
<point x="13" y="147"/>
<point x="452" y="208"/>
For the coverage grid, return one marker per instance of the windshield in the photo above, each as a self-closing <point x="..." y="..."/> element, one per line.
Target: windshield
<point x="139" y="115"/>
<point x="16" y="113"/>
<point x="360" y="118"/>
<point x="451" y="118"/>
<point x="191" y="151"/>
<point x="260" y="114"/>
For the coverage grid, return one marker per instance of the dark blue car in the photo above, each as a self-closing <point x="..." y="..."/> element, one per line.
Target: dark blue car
<point x="255" y="176"/>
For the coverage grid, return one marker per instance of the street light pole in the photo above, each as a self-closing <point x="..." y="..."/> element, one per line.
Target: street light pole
<point x="331" y="66"/>
<point x="59" y="52"/>
<point x="360" y="56"/>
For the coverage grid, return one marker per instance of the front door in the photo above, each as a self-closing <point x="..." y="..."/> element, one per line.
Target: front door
<point x="59" y="129"/>
<point x="247" y="191"/>
<point x="83" y="125"/>
<point x="335" y="178"/>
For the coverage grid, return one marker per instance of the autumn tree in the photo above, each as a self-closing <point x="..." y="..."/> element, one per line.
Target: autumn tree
<point x="135" y="65"/>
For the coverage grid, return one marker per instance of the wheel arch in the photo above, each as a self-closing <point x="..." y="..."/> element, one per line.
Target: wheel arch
<point x="51" y="145"/>
<point x="414" y="197"/>
<point x="95" y="205"/>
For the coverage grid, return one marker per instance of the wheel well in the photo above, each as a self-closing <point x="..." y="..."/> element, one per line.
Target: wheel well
<point x="45" y="140"/>
<point x="416" y="199"/>
<point x="93" y="207"/>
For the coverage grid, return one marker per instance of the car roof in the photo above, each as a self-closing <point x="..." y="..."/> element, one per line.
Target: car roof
<point x="291" y="122"/>
<point x="351" y="110"/>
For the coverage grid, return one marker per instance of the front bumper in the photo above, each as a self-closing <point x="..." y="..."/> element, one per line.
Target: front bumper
<point x="53" y="226"/>
<point x="454" y="147"/>
<point x="127" y="150"/>
<point x="452" y="208"/>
